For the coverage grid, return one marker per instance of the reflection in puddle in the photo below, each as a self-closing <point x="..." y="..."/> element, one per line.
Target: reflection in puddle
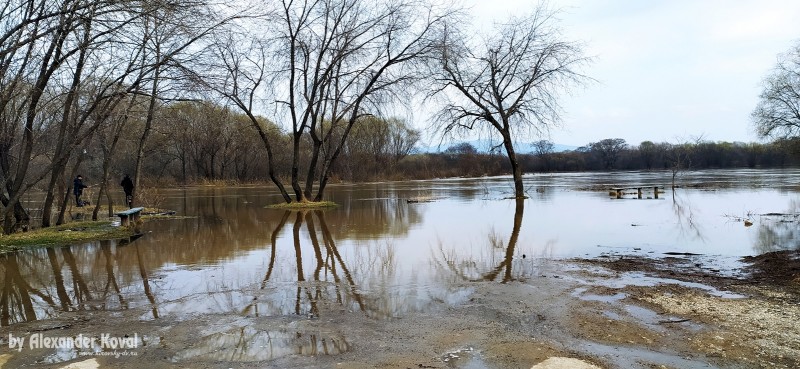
<point x="639" y="279"/>
<point x="247" y="344"/>
<point x="66" y="352"/>
<point x="466" y="358"/>
<point x="40" y="283"/>
<point x="633" y="357"/>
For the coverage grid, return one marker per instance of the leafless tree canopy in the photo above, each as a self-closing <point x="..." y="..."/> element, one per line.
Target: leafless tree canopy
<point x="67" y="67"/>
<point x="515" y="74"/>
<point x="195" y="81"/>
<point x="777" y="114"/>
<point x="508" y="81"/>
<point x="326" y="64"/>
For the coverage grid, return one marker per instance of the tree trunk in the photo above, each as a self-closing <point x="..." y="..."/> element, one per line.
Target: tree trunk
<point x="104" y="182"/>
<point x="151" y="108"/>
<point x="270" y="157"/>
<point x="519" y="210"/>
<point x="312" y="168"/>
<point x="516" y="170"/>
<point x="21" y="217"/>
<point x="298" y="192"/>
<point x="66" y="199"/>
<point x="53" y="54"/>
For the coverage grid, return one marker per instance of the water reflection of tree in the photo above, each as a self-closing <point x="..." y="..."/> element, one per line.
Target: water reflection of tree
<point x="247" y="344"/>
<point x="471" y="270"/>
<point x="37" y="284"/>
<point x="17" y="297"/>
<point x="329" y="264"/>
<point x="685" y="216"/>
<point x="779" y="231"/>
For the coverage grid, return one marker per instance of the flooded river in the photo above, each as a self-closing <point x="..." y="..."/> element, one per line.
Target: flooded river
<point x="390" y="248"/>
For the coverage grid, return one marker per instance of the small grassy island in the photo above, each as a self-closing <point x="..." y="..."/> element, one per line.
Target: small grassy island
<point x="64" y="234"/>
<point x="303" y="205"/>
<point x="77" y="231"/>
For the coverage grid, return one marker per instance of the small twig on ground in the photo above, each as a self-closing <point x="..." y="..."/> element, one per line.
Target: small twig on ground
<point x="673" y="321"/>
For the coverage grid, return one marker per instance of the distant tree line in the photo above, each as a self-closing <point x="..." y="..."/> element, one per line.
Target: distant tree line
<point x="199" y="142"/>
<point x="616" y="154"/>
<point x="300" y="94"/>
<point x="297" y="92"/>
<point x="608" y="154"/>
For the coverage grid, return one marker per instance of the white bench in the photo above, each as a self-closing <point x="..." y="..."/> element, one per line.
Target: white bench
<point x="128" y="216"/>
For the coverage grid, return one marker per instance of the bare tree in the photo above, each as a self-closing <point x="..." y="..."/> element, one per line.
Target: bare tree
<point x="777" y="114"/>
<point x="64" y="65"/>
<point x="335" y="61"/>
<point x="172" y="34"/>
<point x="375" y="147"/>
<point x="509" y="81"/>
<point x="609" y="150"/>
<point x="678" y="157"/>
<point x="649" y="152"/>
<point x="544" y="149"/>
<point x="243" y="79"/>
<point x="51" y="43"/>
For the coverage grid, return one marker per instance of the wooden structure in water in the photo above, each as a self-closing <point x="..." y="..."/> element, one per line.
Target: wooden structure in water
<point x="129" y="216"/>
<point x="619" y="191"/>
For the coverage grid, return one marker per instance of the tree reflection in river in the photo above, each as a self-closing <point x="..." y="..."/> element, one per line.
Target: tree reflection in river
<point x="779" y="231"/>
<point x="685" y="216"/>
<point x="331" y="279"/>
<point x="59" y="279"/>
<point x="472" y="270"/>
<point x="376" y="253"/>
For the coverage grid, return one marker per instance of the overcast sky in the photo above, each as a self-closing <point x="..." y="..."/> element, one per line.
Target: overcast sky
<point x="667" y="70"/>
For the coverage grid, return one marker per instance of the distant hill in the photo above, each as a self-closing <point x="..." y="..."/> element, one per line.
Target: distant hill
<point x="485" y="145"/>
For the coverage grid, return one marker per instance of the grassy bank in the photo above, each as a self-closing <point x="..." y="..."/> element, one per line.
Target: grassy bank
<point x="303" y="205"/>
<point x="65" y="234"/>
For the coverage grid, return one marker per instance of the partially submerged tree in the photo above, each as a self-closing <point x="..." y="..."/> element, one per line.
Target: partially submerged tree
<point x="49" y="50"/>
<point x="679" y="157"/>
<point x="337" y="61"/>
<point x="509" y="81"/>
<point x="64" y="66"/>
<point x="777" y="114"/>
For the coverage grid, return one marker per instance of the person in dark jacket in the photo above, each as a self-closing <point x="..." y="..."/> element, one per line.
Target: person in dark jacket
<point x="77" y="189"/>
<point x="127" y="186"/>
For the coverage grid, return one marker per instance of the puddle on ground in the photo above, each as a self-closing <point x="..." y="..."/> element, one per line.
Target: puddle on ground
<point x="466" y="358"/>
<point x="247" y="344"/>
<point x="649" y="318"/>
<point x="725" y="266"/>
<point x="580" y="293"/>
<point x="640" y="279"/>
<point x="58" y="349"/>
<point x="631" y="357"/>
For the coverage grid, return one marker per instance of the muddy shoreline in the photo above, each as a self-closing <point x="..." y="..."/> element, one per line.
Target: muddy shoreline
<point x="619" y="311"/>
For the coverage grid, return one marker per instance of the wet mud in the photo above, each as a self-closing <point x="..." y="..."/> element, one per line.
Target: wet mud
<point x="614" y="312"/>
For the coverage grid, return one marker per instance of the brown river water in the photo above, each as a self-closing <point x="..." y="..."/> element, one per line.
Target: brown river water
<point x="379" y="253"/>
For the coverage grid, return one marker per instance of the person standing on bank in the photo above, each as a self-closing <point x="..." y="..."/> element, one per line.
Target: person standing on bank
<point x="77" y="189"/>
<point x="127" y="186"/>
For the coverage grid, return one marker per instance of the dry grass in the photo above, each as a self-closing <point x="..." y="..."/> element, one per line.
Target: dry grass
<point x="65" y="234"/>
<point x="299" y="205"/>
<point x="424" y="198"/>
